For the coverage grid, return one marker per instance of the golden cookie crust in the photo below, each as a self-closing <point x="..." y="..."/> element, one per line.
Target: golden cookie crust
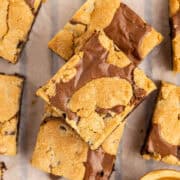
<point x="16" y="19"/>
<point x="99" y="15"/>
<point x="98" y="93"/>
<point x="166" y="126"/>
<point x="10" y="95"/>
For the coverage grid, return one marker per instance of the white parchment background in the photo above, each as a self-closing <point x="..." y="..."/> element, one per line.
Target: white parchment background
<point x="38" y="64"/>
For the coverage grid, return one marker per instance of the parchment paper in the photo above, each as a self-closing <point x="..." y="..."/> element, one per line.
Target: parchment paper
<point x="38" y="64"/>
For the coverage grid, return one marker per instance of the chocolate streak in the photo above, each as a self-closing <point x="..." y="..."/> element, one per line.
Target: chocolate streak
<point x="92" y="66"/>
<point x="127" y="30"/>
<point x="156" y="144"/>
<point x="99" y="165"/>
<point x="175" y="20"/>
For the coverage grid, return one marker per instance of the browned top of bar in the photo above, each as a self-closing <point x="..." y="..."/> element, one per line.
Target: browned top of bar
<point x="156" y="144"/>
<point x="93" y="65"/>
<point x="99" y="165"/>
<point x="176" y="24"/>
<point x="127" y="30"/>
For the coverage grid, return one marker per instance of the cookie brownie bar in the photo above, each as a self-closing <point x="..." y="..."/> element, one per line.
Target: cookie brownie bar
<point x="97" y="89"/>
<point x="163" y="142"/>
<point x="128" y="31"/>
<point x="2" y="169"/>
<point x="174" y="11"/>
<point x="165" y="174"/>
<point x="10" y="96"/>
<point x="16" y="19"/>
<point x="60" y="151"/>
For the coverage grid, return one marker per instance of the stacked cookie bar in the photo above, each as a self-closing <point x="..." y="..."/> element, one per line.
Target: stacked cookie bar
<point x="66" y="154"/>
<point x="92" y="94"/>
<point x="96" y="89"/>
<point x="16" y="19"/>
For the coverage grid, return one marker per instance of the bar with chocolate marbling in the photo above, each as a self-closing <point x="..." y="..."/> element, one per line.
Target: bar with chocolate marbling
<point x="16" y="19"/>
<point x="60" y="151"/>
<point x="96" y="89"/>
<point x="174" y="13"/>
<point x="163" y="142"/>
<point x="130" y="33"/>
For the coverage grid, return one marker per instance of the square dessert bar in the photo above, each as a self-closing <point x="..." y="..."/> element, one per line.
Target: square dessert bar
<point x="163" y="143"/>
<point x="96" y="89"/>
<point x="174" y="13"/>
<point x="10" y="99"/>
<point x="16" y="19"/>
<point x="128" y="31"/>
<point x="60" y="151"/>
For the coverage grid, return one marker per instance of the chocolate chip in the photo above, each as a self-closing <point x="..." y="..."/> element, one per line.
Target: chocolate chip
<point x="10" y="133"/>
<point x="108" y="115"/>
<point x="102" y="173"/>
<point x="63" y="128"/>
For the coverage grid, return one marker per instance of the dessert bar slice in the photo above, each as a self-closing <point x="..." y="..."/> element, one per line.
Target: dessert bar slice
<point x="97" y="89"/>
<point x="10" y="100"/>
<point x="174" y="11"/>
<point x="128" y="31"/>
<point x="16" y="19"/>
<point x="163" y="142"/>
<point x="60" y="151"/>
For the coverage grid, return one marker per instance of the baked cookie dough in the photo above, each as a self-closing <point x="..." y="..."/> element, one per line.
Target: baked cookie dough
<point x="162" y="175"/>
<point x="16" y="19"/>
<point x="10" y="100"/>
<point x="2" y="169"/>
<point x="174" y="12"/>
<point x="128" y="31"/>
<point x="163" y="143"/>
<point x="60" y="151"/>
<point x="96" y="89"/>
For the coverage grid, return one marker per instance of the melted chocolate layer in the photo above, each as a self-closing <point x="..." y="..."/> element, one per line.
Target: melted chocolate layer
<point x="99" y="165"/>
<point x="176" y="24"/>
<point x="92" y="66"/>
<point x="127" y="30"/>
<point x="156" y="144"/>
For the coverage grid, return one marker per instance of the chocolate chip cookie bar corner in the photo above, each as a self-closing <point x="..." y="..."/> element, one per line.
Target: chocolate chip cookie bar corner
<point x="128" y="31"/>
<point x="163" y="143"/>
<point x="60" y="151"/>
<point x="16" y="19"/>
<point x="10" y="96"/>
<point x="96" y="89"/>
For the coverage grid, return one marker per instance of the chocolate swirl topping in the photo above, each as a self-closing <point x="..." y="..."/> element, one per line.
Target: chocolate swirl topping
<point x="92" y="66"/>
<point x="127" y="30"/>
<point x="99" y="165"/>
<point x="156" y="144"/>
